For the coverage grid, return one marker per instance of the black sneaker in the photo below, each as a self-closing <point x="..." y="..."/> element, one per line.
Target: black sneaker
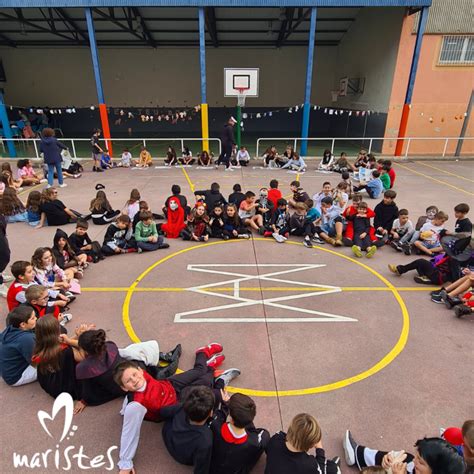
<point x="406" y="249"/>
<point x="396" y="246"/>
<point x="436" y="298"/>
<point x="437" y="292"/>
<point x="451" y="302"/>
<point x="424" y="280"/>
<point x="307" y="243"/>
<point x="462" y="310"/>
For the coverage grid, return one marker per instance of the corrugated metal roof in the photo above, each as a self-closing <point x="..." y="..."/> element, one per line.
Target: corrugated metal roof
<point x="449" y="16"/>
<point x="211" y="3"/>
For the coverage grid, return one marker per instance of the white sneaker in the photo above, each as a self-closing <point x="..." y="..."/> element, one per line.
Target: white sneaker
<point x="3" y="290"/>
<point x="64" y="185"/>
<point x="6" y="277"/>
<point x="66" y="318"/>
<point x="49" y="186"/>
<point x="43" y="181"/>
<point x="243" y="236"/>
<point x="278" y="237"/>
<point x="229" y="169"/>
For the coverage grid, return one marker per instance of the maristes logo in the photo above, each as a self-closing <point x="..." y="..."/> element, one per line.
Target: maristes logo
<point x="63" y="457"/>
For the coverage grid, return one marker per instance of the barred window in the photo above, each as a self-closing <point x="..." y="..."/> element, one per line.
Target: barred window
<point x="457" y="50"/>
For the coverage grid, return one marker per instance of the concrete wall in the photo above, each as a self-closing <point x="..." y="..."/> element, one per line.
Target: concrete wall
<point x="369" y="49"/>
<point x="166" y="77"/>
<point x="440" y="97"/>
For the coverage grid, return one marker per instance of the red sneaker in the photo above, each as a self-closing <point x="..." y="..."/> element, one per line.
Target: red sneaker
<point x="267" y="233"/>
<point x="211" y="349"/>
<point x="216" y="360"/>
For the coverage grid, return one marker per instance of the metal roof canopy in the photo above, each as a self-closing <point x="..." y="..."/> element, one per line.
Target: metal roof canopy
<point x="212" y="3"/>
<point x="168" y="27"/>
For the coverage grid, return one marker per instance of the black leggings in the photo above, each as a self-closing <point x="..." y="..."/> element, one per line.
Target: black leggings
<point x="225" y="155"/>
<point x="106" y="218"/>
<point x="424" y="268"/>
<point x="4" y="256"/>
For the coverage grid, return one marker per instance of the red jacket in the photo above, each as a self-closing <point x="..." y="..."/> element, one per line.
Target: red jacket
<point x="15" y="288"/>
<point x="349" y="233"/>
<point x="157" y="394"/>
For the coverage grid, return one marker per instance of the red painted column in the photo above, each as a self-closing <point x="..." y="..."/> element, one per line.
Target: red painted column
<point x="402" y="131"/>
<point x="104" y="119"/>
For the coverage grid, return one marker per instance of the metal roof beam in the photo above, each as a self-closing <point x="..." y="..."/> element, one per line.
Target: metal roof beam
<point x="146" y="31"/>
<point x="211" y="25"/>
<point x="302" y="17"/>
<point x="7" y="41"/>
<point x="285" y="24"/>
<point x="69" y="21"/>
<point x="118" y="23"/>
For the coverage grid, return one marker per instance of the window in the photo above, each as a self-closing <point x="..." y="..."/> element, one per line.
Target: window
<point x="458" y="50"/>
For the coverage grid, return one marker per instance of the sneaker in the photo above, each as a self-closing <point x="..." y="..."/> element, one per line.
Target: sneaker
<point x="422" y="280"/>
<point x="64" y="185"/>
<point x="164" y="246"/>
<point x="436" y="298"/>
<point x="307" y="243"/>
<point x="243" y="236"/>
<point x="6" y="277"/>
<point x="337" y="461"/>
<point x="394" y="269"/>
<point x="227" y="376"/>
<point x="438" y="292"/>
<point x="330" y="240"/>
<point x="338" y="243"/>
<point x="267" y="233"/>
<point x="229" y="169"/>
<point x="43" y="181"/>
<point x="371" y="251"/>
<point x="215" y="361"/>
<point x="66" y="318"/>
<point x="140" y="250"/>
<point x="210" y="349"/>
<point x="350" y="447"/>
<point x="277" y="237"/>
<point x="462" y="310"/>
<point x="317" y="240"/>
<point x="356" y="251"/>
<point x="3" y="290"/>
<point x="396" y="246"/>
<point x="69" y="294"/>
<point x="451" y="302"/>
<point x="261" y="230"/>
<point x="406" y="249"/>
<point x="76" y="176"/>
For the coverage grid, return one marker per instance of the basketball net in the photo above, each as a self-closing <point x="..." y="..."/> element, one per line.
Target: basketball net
<point x="241" y="96"/>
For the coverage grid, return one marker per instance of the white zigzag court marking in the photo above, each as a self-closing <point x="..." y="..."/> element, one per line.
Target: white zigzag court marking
<point x="242" y="302"/>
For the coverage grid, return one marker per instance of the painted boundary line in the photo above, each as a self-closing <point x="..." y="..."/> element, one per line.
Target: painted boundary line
<point x="386" y="360"/>
<point x="446" y="172"/>
<point x="435" y="180"/>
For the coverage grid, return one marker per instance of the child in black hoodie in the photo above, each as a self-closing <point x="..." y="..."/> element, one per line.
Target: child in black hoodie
<point x="212" y="197"/>
<point x="386" y="211"/>
<point x="119" y="237"/>
<point x="216" y="222"/>
<point x="67" y="259"/>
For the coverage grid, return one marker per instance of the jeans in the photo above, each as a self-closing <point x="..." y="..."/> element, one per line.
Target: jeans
<point x="150" y="246"/>
<point x="21" y="217"/>
<point x="59" y="171"/>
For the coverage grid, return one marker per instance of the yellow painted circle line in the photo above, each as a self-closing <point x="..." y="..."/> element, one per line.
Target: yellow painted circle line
<point x="381" y="364"/>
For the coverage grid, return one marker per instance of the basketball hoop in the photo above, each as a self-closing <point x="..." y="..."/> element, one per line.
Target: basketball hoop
<point x="241" y="95"/>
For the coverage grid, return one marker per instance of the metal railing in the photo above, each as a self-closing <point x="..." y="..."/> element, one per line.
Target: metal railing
<point x="363" y="140"/>
<point x="141" y="141"/>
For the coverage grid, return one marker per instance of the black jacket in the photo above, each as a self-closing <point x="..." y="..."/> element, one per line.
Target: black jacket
<point x="211" y="198"/>
<point x="188" y="444"/>
<point x="385" y="214"/>
<point x="227" y="136"/>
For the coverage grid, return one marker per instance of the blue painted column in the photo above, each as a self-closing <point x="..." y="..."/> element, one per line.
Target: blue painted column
<point x="98" y="80"/>
<point x="411" y="81"/>
<point x="309" y="78"/>
<point x="7" y="131"/>
<point x="202" y="64"/>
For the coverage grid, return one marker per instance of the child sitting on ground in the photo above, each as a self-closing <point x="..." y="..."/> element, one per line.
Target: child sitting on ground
<point x="385" y="178"/>
<point x="101" y="211"/>
<point x="82" y="243"/>
<point x="27" y="174"/>
<point x="33" y="208"/>
<point x="415" y="235"/>
<point x="212" y="197"/>
<point x="374" y="187"/>
<point x="326" y="191"/>
<point x="281" y="221"/>
<point x="243" y="157"/>
<point x="16" y="347"/>
<point x="37" y="298"/>
<point x="430" y="238"/>
<point x="298" y="194"/>
<point x="295" y="163"/>
<point x="288" y="452"/>
<point x="47" y="273"/>
<point x="73" y="264"/>
<point x="126" y="158"/>
<point x="402" y="229"/>
<point x="216" y="223"/>
<point x="462" y="225"/>
<point x="119" y="237"/>
<point x="274" y="194"/>
<point x="332" y="224"/>
<point x="204" y="159"/>
<point x="24" y="276"/>
<point x="237" y="196"/>
<point x="386" y="211"/>
<point x="326" y="163"/>
<point x="237" y="445"/>
<point x="247" y="212"/>
<point x="176" y="193"/>
<point x="342" y="164"/>
<point x="361" y="225"/>
<point x="346" y="178"/>
<point x="197" y="225"/>
<point x="175" y="215"/>
<point x="11" y="206"/>
<point x="146" y="235"/>
<point x="340" y="196"/>
<point x="148" y="398"/>
<point x="299" y="224"/>
<point x="144" y="160"/>
<point x="233" y="225"/>
<point x="106" y="162"/>
<point x="390" y="171"/>
<point x="265" y="209"/>
<point x="132" y="206"/>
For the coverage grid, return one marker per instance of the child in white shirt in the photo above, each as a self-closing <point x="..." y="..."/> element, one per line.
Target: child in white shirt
<point x="126" y="161"/>
<point x="402" y="230"/>
<point x="243" y="156"/>
<point x="429" y="242"/>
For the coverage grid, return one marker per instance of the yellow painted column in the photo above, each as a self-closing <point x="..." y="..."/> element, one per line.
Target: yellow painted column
<point x="205" y="127"/>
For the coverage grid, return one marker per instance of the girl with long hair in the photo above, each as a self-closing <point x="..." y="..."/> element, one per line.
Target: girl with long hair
<point x="101" y="210"/>
<point x="71" y="262"/>
<point x="47" y="272"/>
<point x="33" y="204"/>
<point x="27" y="174"/>
<point x="197" y="227"/>
<point x="54" y="212"/>
<point x="132" y="206"/>
<point x="11" y="206"/>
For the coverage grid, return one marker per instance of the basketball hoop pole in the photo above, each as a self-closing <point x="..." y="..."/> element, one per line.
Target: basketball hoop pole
<point x="240" y="104"/>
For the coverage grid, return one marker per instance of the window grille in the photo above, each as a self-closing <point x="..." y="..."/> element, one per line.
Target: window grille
<point x="457" y="50"/>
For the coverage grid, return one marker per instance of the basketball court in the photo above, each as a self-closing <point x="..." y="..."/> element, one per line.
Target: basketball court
<point x="314" y="330"/>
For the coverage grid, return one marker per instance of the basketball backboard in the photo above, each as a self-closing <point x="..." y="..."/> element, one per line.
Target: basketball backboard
<point x="245" y="79"/>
